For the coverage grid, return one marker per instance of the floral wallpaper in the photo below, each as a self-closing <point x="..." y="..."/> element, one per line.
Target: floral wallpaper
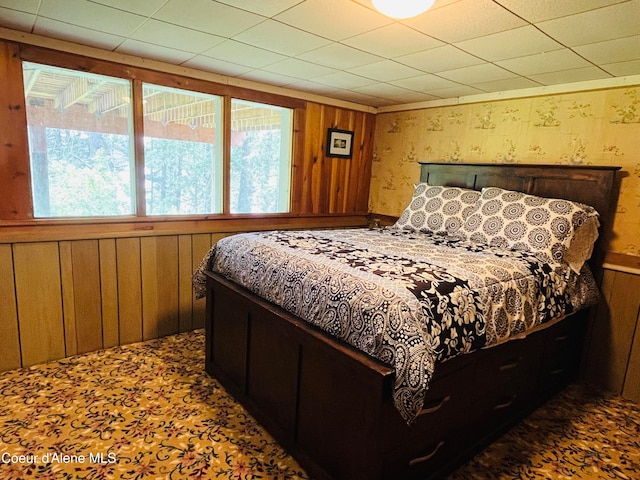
<point x="588" y="128"/>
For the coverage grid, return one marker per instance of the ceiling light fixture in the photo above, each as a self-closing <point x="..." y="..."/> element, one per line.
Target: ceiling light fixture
<point x="402" y="8"/>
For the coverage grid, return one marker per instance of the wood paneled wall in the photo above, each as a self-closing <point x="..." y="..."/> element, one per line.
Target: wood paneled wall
<point x="333" y="185"/>
<point x="15" y="198"/>
<point x="64" y="297"/>
<point x="69" y="297"/>
<point x="613" y="351"/>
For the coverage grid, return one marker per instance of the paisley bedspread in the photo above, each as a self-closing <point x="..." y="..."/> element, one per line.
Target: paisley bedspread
<point x="408" y="299"/>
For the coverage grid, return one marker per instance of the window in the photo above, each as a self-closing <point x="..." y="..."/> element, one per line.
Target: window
<point x="80" y="142"/>
<point x="83" y="154"/>
<point x="182" y="151"/>
<point x="260" y="157"/>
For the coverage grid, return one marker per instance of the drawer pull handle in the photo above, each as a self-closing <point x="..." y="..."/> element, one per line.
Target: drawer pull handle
<point x="557" y="371"/>
<point x="415" y="461"/>
<point x="507" y="404"/>
<point x="435" y="408"/>
<point x="562" y="338"/>
<point x="509" y="366"/>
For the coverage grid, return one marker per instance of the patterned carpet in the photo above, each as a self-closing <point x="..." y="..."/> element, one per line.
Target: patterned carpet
<point x="148" y="411"/>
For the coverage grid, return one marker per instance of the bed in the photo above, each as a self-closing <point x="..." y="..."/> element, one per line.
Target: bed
<point x="440" y="356"/>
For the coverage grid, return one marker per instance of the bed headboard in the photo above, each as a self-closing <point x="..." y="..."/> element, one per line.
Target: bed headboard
<point x="592" y="185"/>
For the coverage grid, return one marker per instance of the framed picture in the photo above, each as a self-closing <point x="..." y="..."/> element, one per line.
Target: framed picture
<point x="339" y="143"/>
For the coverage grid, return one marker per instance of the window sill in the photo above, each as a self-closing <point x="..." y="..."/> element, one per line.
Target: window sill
<point x="42" y="230"/>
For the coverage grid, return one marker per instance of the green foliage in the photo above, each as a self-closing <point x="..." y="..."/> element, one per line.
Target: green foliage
<point x="178" y="176"/>
<point x="90" y="174"/>
<point x="87" y="173"/>
<point x="255" y="168"/>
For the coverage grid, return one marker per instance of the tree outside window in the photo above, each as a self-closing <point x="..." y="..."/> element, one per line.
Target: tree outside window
<point x="81" y="145"/>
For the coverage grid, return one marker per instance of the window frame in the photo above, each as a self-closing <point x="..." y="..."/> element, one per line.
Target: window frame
<point x="59" y="120"/>
<point x="137" y="77"/>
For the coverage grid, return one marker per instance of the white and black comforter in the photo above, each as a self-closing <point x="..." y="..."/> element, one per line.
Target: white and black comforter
<point x="408" y="299"/>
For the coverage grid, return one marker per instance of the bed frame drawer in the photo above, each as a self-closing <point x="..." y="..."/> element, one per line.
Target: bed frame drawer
<point x="506" y="381"/>
<point x="420" y="460"/>
<point x="441" y="411"/>
<point x="562" y="353"/>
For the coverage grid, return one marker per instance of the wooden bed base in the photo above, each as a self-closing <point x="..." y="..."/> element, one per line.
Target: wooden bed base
<point x="330" y="405"/>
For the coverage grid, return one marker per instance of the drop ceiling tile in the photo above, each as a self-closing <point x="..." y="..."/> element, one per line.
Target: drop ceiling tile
<point x="348" y="50"/>
<point x="464" y="20"/>
<point x="538" y="11"/>
<point x="244" y="54"/>
<point x="392" y="41"/>
<point x="612" y="51"/>
<point x="269" y="78"/>
<point x="297" y="68"/>
<point x="607" y="23"/>
<point x="366" y="3"/>
<point x="361" y="98"/>
<point x="222" y="67"/>
<point x="426" y="97"/>
<point x="507" y="84"/>
<point x="384" y="102"/>
<point x="174" y="36"/>
<point x="313" y="87"/>
<point x="141" y="7"/>
<point x="570" y="76"/>
<point x="92" y="16"/>
<point x="17" y="20"/>
<point x="385" y="71"/>
<point x="280" y="38"/>
<point x="333" y="19"/>
<point x="28" y="6"/>
<point x="438" y="4"/>
<point x="424" y="83"/>
<point x="486" y="72"/>
<point x="267" y="8"/>
<point x="410" y="97"/>
<point x="341" y="57"/>
<point x="544" y="62"/>
<point x="439" y="59"/>
<point x="386" y="90"/>
<point x="208" y="16"/>
<point x="509" y="44"/>
<point x="381" y="89"/>
<point x="454" y="92"/>
<point x="74" y="33"/>
<point x="343" y="80"/>
<point x="623" y="69"/>
<point x="154" y="52"/>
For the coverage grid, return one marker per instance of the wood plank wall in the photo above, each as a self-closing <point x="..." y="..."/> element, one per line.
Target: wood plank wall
<point x="613" y="351"/>
<point x="69" y="297"/>
<point x="15" y="198"/>
<point x="60" y="298"/>
<point x="347" y="190"/>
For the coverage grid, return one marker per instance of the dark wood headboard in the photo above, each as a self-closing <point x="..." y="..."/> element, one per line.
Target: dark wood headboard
<point x="592" y="185"/>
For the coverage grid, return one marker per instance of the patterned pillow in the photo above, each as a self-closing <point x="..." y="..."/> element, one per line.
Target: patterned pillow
<point x="437" y="209"/>
<point x="582" y="244"/>
<point x="515" y="220"/>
